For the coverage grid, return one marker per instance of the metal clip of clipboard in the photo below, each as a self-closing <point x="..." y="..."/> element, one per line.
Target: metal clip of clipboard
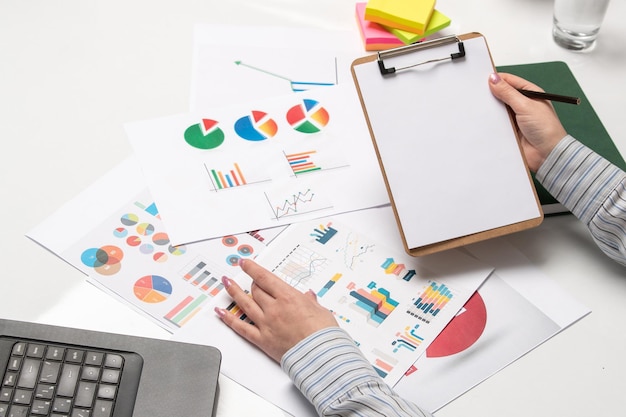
<point x="417" y="47"/>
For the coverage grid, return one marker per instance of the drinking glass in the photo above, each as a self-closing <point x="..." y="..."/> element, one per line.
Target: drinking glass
<point x="577" y="22"/>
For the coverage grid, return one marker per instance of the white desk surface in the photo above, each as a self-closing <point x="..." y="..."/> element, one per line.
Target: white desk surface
<point x="73" y="71"/>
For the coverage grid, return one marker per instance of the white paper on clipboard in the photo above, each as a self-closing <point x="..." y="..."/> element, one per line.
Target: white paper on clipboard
<point x="451" y="159"/>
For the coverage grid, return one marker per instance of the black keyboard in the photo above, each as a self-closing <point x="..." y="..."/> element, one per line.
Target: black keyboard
<point x="41" y="379"/>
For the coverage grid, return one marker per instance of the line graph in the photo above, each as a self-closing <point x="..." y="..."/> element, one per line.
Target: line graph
<point x="294" y="84"/>
<point x="296" y="202"/>
<point x="354" y="249"/>
<point x="299" y="266"/>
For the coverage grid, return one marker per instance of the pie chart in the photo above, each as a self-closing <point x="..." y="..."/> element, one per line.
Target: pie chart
<point x="129" y="219"/>
<point x="204" y="135"/>
<point x="152" y="289"/>
<point x="308" y="116"/>
<point x="462" y="331"/>
<point x="256" y="127"/>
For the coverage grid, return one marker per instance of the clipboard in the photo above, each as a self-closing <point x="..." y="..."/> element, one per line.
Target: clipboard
<point x="447" y="148"/>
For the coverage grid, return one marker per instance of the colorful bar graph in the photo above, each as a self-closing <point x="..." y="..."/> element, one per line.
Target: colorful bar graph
<point x="408" y="339"/>
<point x="199" y="275"/>
<point x="219" y="287"/>
<point x="433" y="299"/>
<point x="323" y="234"/>
<point x="185" y="310"/>
<point x="209" y="284"/>
<point x="197" y="268"/>
<point x="234" y="309"/>
<point x="383" y="363"/>
<point x="377" y="304"/>
<point x="391" y="267"/>
<point x="232" y="178"/>
<point x="300" y="163"/>
<point x="328" y="285"/>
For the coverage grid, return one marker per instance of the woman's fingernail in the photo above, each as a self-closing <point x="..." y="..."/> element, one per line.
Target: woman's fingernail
<point x="495" y="78"/>
<point x="241" y="262"/>
<point x="226" y="282"/>
<point x="220" y="312"/>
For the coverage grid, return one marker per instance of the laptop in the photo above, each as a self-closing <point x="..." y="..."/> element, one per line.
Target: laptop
<point x="65" y="372"/>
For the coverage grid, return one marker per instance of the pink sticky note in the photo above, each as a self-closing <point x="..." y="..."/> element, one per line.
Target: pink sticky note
<point x="375" y="37"/>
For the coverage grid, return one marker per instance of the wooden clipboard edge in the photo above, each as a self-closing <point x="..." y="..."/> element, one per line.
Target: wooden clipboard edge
<point x="461" y="240"/>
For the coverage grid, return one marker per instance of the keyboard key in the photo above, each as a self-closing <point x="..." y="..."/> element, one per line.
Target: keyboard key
<point x="40" y="408"/>
<point x="14" y="364"/>
<point x="85" y="394"/>
<point x="113" y="361"/>
<point x="18" y="411"/>
<point x="19" y="349"/>
<point x="103" y="408"/>
<point x="68" y="380"/>
<point x="90" y="373"/>
<point x="62" y="405"/>
<point x="5" y="395"/>
<point x="77" y="412"/>
<point x="35" y="350"/>
<point x="22" y="396"/>
<point x="9" y="379"/>
<point x="94" y="358"/>
<point x="50" y="372"/>
<point x="55" y="353"/>
<point x="29" y="373"/>
<point x="110" y="376"/>
<point x="74" y="355"/>
<point x="106" y="391"/>
<point x="44" y="392"/>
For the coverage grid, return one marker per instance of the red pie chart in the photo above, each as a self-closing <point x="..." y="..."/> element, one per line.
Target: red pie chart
<point x="462" y="331"/>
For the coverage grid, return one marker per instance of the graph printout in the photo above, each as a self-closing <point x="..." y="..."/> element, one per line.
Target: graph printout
<point x="130" y="255"/>
<point x="113" y="232"/>
<point x="260" y="164"/>
<point x="393" y="305"/>
<point x="479" y="341"/>
<point x="234" y="64"/>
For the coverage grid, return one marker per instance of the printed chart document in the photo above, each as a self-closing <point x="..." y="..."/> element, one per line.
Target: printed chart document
<point x="233" y="64"/>
<point x="259" y="165"/>
<point x="113" y="233"/>
<point x="514" y="311"/>
<point x="393" y="305"/>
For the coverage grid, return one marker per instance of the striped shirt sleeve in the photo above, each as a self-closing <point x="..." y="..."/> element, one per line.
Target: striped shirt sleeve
<point x="331" y="372"/>
<point x="593" y="189"/>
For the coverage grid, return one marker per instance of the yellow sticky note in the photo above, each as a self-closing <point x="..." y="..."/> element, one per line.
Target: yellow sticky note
<point x="437" y="22"/>
<point x="409" y="15"/>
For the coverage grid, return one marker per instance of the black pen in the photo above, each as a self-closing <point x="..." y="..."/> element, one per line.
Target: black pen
<point x="551" y="97"/>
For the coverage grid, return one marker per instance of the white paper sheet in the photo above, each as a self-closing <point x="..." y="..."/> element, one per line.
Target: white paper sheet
<point x="450" y="154"/>
<point x="513" y="312"/>
<point x="346" y="268"/>
<point x="259" y="165"/>
<point x="232" y="64"/>
<point x="113" y="233"/>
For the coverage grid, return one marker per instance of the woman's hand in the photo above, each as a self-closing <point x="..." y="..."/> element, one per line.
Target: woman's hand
<point x="538" y="125"/>
<point x="281" y="315"/>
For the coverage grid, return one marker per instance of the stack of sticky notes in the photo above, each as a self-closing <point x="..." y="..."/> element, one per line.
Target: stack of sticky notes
<point x="387" y="24"/>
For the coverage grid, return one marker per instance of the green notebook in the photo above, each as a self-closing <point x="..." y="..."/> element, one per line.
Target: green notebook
<point x="580" y="121"/>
